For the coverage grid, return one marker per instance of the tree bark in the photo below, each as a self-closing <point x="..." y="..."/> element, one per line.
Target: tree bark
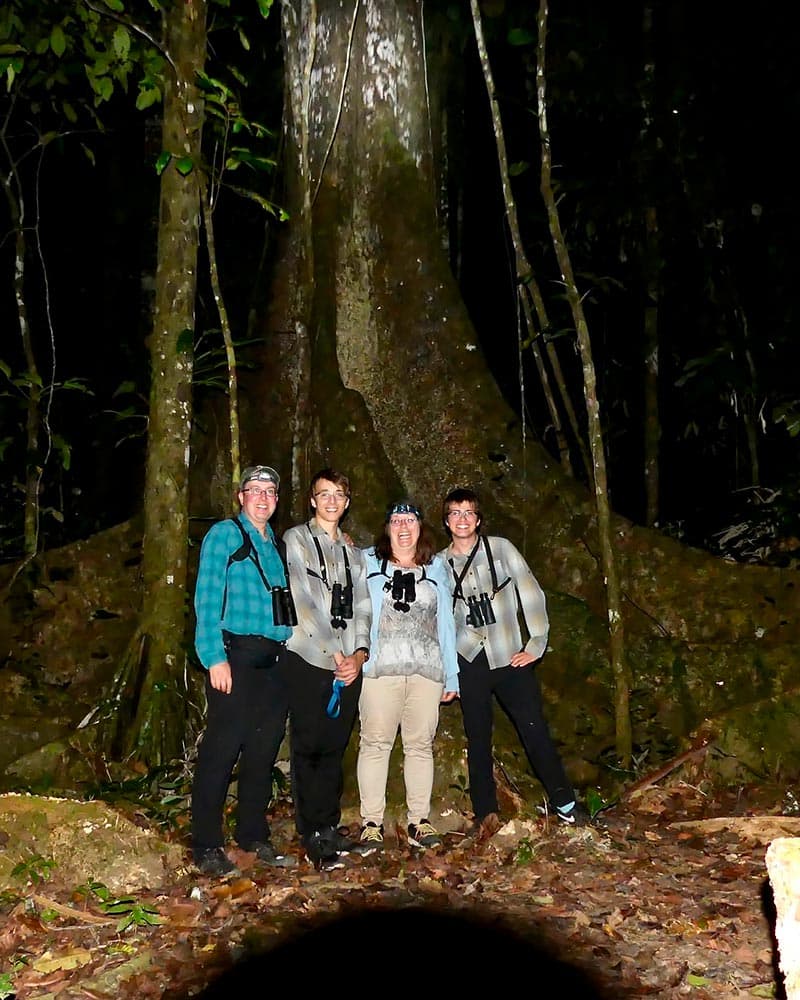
<point x="149" y="694"/>
<point x="394" y="389"/>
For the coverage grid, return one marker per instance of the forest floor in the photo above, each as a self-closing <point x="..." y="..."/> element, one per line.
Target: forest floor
<point x="667" y="895"/>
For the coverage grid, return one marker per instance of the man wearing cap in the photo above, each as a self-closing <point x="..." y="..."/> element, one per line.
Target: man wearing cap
<point x="242" y="588"/>
<point x="323" y="667"/>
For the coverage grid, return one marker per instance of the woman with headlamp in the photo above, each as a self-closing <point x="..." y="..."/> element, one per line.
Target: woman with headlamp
<point x="413" y="668"/>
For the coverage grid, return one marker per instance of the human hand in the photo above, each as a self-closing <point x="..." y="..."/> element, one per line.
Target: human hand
<point x="522" y="659"/>
<point x="220" y="677"/>
<point x="347" y="667"/>
<point x="448" y="696"/>
<point x="348" y="540"/>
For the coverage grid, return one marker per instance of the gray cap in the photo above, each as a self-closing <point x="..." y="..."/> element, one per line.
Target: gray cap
<point x="260" y="473"/>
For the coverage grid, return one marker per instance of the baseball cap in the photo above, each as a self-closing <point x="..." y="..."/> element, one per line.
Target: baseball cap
<point x="260" y="473"/>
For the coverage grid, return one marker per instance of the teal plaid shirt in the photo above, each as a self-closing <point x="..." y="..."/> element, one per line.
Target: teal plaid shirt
<point x="248" y="608"/>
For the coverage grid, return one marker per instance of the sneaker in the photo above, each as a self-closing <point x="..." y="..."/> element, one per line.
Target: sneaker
<point x="214" y="861"/>
<point x="371" y="840"/>
<point x="423" y="834"/>
<point x="321" y="854"/>
<point x="576" y="815"/>
<point x="266" y="853"/>
<point x="338" y="842"/>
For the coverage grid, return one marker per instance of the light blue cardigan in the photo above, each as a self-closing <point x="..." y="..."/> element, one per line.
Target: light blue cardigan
<point x="437" y="572"/>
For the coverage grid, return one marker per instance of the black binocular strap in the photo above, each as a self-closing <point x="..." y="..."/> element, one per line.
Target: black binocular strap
<point x="323" y="575"/>
<point x="458" y="592"/>
<point x="244" y="551"/>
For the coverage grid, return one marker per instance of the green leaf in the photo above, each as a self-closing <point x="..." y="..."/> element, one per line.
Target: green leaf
<point x="264" y="7"/>
<point x="694" y="980"/>
<point x="520" y="36"/>
<point x="129" y="386"/>
<point x="184" y="166"/>
<point x="89" y="153"/>
<point x="245" y="41"/>
<point x="115" y="5"/>
<point x="69" y="112"/>
<point x="515" y="169"/>
<point x="185" y="342"/>
<point x="147" y="98"/>
<point x="5" y="368"/>
<point x="121" y="41"/>
<point x="58" y="41"/>
<point x="162" y="161"/>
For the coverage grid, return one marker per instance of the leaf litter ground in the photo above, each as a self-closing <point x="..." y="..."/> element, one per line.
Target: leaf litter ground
<point x="666" y="897"/>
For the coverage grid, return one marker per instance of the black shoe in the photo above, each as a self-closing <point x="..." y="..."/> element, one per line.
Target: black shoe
<point x="320" y="853"/>
<point x="267" y="854"/>
<point x="575" y="816"/>
<point x="338" y="842"/>
<point x="214" y="861"/>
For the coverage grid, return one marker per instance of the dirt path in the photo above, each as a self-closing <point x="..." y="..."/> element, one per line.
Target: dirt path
<point x="646" y="904"/>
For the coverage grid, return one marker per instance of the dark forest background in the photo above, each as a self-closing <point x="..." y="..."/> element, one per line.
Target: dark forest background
<point x="689" y="116"/>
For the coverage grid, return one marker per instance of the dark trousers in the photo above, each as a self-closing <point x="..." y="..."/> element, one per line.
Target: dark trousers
<point x="519" y="694"/>
<point x="246" y="725"/>
<point x="318" y="743"/>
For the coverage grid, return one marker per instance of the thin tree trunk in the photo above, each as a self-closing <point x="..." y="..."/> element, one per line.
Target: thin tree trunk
<point x="230" y="350"/>
<point x="149" y="692"/>
<point x="527" y="287"/>
<point x="620" y="669"/>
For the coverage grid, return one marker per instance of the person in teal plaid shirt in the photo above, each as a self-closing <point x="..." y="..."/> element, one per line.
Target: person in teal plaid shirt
<point x="242" y="588"/>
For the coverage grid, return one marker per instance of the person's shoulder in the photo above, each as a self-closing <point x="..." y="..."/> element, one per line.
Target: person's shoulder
<point x="294" y="533"/>
<point x="226" y="528"/>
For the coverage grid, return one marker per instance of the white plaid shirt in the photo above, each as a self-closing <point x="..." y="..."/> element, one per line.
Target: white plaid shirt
<point x="313" y="638"/>
<point x="521" y="597"/>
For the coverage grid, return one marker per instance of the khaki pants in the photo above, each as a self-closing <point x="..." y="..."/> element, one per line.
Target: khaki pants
<point x="412" y="705"/>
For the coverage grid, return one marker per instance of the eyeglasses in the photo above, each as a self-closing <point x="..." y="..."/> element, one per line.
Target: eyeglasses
<point x="339" y="496"/>
<point x="398" y="522"/>
<point x="467" y="515"/>
<point x="270" y="494"/>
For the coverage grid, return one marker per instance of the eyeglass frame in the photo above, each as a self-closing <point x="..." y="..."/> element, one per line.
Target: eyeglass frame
<point x="271" y="494"/>
<point x="470" y="515"/>
<point x="339" y="495"/>
<point x="399" y="522"/>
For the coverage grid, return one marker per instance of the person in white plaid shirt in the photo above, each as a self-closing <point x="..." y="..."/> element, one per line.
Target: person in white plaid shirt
<point x="492" y="586"/>
<point x="330" y="643"/>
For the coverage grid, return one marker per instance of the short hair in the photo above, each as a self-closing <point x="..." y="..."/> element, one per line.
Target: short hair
<point x="461" y="495"/>
<point x="333" y="476"/>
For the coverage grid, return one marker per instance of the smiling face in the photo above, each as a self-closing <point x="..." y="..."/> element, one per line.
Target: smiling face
<point x="404" y="532"/>
<point x="259" y="498"/>
<point x="463" y="521"/>
<point x="329" y="502"/>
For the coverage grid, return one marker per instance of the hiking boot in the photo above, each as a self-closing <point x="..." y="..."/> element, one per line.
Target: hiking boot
<point x="371" y="840"/>
<point x="266" y="853"/>
<point x="575" y="815"/>
<point x="423" y="834"/>
<point x="320" y="853"/>
<point x="214" y="861"/>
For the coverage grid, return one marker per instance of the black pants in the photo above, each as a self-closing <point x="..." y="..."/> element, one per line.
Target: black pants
<point x="518" y="691"/>
<point x="318" y="743"/>
<point x="246" y="725"/>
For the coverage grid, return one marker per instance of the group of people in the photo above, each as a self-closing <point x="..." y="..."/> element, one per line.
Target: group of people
<point x="312" y="628"/>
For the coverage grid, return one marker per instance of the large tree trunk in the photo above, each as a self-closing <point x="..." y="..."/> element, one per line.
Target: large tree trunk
<point x="397" y="392"/>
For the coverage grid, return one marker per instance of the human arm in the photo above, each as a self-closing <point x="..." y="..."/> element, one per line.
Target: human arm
<point x="220" y="541"/>
<point x="532" y="603"/>
<point x="349" y="667"/>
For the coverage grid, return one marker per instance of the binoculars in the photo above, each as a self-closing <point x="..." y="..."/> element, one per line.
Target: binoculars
<point x="404" y="590"/>
<point x="479" y="610"/>
<point x="283" y="609"/>
<point x="341" y="605"/>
